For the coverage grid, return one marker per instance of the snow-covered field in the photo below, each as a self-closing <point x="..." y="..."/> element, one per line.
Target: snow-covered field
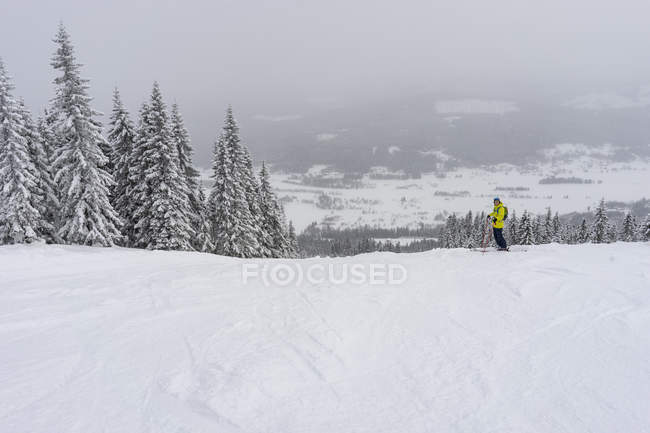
<point x="114" y="340"/>
<point x="409" y="202"/>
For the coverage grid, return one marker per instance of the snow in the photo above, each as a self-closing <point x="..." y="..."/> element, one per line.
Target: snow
<point x="318" y="169"/>
<point x="411" y="202"/>
<point x="578" y="150"/>
<point x="116" y="340"/>
<point x="439" y="154"/>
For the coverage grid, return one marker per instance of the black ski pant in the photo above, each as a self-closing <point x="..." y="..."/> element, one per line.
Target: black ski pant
<point x="498" y="236"/>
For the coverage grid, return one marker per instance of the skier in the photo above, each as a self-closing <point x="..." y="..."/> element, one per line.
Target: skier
<point x="500" y="213"/>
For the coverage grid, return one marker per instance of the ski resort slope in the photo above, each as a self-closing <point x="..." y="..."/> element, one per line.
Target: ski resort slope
<point x="556" y="339"/>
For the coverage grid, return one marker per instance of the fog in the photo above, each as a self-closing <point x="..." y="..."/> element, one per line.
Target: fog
<point x="277" y="59"/>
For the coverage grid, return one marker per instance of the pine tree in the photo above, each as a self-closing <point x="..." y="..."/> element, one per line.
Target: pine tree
<point x="612" y="232"/>
<point x="195" y="195"/>
<point x="645" y="228"/>
<point x="137" y="181"/>
<point x="121" y="136"/>
<point x="20" y="220"/>
<point x="289" y="251"/>
<point x="45" y="128"/>
<point x="526" y="234"/>
<point x="44" y="197"/>
<point x="557" y="235"/>
<point x="87" y="217"/>
<point x="228" y="207"/>
<point x="629" y="232"/>
<point x="468" y="232"/>
<point x="513" y="228"/>
<point x="568" y="234"/>
<point x="451" y="238"/>
<point x="538" y="229"/>
<point x="203" y="229"/>
<point x="600" y="232"/>
<point x="276" y="243"/>
<point x="161" y="208"/>
<point x="477" y="228"/>
<point x="583" y="232"/>
<point x="293" y="241"/>
<point x="251" y="185"/>
<point x="546" y="231"/>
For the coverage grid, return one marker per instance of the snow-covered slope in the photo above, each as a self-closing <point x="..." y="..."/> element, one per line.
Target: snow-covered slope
<point x="555" y="339"/>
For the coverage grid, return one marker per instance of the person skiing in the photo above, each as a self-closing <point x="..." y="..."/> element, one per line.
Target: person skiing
<point x="500" y="213"/>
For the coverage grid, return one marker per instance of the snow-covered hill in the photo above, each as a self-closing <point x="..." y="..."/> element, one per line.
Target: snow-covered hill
<point x="112" y="340"/>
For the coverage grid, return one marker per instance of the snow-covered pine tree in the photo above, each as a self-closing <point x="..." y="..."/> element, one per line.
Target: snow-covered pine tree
<point x="203" y="241"/>
<point x="546" y="231"/>
<point x="45" y="127"/>
<point x="630" y="229"/>
<point x="275" y="242"/>
<point x="293" y="240"/>
<point x="482" y="228"/>
<point x="513" y="227"/>
<point x="46" y="131"/>
<point x="583" y="232"/>
<point x="449" y="235"/>
<point x="136" y="181"/>
<point x="445" y="233"/>
<point x="557" y="235"/>
<point x="161" y="209"/>
<point x="567" y="234"/>
<point x="121" y="136"/>
<point x="195" y="195"/>
<point x="228" y="208"/>
<point x="477" y="228"/>
<point x="44" y="197"/>
<point x="468" y="232"/>
<point x="612" y="232"/>
<point x="20" y="220"/>
<point x="645" y="228"/>
<point x="458" y="232"/>
<point x="526" y="234"/>
<point x="86" y="217"/>
<point x="600" y="231"/>
<point x="251" y="185"/>
<point x="538" y="228"/>
<point x="289" y="250"/>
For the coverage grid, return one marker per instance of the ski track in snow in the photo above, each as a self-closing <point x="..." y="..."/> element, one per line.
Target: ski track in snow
<point x="115" y="340"/>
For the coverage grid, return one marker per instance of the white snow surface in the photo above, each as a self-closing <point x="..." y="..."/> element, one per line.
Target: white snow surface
<point x="554" y="339"/>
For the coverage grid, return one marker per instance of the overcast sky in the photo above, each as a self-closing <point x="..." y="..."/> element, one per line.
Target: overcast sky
<point x="272" y="57"/>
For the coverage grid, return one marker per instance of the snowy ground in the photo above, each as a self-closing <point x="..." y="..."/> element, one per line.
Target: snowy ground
<point x="391" y="203"/>
<point x="112" y="340"/>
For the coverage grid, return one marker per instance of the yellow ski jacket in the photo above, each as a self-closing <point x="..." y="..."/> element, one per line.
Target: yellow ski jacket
<point x="498" y="213"/>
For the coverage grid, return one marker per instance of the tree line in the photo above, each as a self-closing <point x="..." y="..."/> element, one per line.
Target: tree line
<point x="64" y="182"/>
<point x="340" y="242"/>
<point x="470" y="231"/>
